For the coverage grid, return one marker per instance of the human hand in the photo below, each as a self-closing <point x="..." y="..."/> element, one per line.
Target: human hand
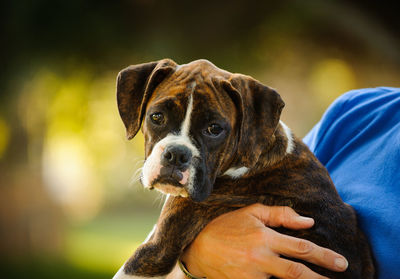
<point x="240" y="244"/>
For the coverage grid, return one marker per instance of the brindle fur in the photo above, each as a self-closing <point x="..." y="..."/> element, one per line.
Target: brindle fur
<point x="256" y="141"/>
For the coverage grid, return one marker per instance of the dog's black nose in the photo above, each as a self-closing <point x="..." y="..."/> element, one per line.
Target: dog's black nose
<point x="176" y="155"/>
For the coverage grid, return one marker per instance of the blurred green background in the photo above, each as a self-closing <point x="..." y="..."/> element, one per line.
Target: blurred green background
<point x="71" y="205"/>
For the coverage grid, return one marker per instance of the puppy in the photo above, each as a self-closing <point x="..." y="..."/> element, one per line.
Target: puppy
<point x="214" y="143"/>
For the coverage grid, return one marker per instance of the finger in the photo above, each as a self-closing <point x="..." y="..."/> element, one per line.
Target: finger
<point x="276" y="216"/>
<point x="287" y="269"/>
<point x="305" y="250"/>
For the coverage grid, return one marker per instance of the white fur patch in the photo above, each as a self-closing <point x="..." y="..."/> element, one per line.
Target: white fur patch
<point x="289" y="136"/>
<point x="186" y="122"/>
<point x="152" y="166"/>
<point x="236" y="172"/>
<point x="191" y="179"/>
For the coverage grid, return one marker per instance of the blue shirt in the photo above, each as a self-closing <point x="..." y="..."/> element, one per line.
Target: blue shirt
<point x="358" y="141"/>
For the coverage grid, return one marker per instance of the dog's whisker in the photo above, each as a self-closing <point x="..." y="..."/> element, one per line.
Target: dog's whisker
<point x="137" y="165"/>
<point x="136" y="176"/>
<point x="138" y="162"/>
<point x="159" y="200"/>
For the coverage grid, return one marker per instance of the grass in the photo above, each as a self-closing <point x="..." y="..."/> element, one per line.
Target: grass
<point x="107" y="242"/>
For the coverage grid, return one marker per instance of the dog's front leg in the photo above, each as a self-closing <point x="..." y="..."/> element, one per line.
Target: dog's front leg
<point x="179" y="223"/>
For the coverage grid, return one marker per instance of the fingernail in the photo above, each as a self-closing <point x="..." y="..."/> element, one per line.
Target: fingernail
<point x="306" y="219"/>
<point x="341" y="263"/>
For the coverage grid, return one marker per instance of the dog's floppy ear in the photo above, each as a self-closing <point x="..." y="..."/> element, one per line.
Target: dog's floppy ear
<point x="259" y="111"/>
<point x="135" y="85"/>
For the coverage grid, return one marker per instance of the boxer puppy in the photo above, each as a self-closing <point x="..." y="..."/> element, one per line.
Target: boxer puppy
<point x="214" y="143"/>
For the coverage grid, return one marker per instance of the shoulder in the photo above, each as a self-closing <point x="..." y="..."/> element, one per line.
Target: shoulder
<point x="351" y="113"/>
<point x="370" y="97"/>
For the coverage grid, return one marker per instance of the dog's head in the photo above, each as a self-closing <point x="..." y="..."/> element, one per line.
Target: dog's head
<point x="199" y="122"/>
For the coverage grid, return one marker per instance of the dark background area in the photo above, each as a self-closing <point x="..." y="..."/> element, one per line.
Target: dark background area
<point x="70" y="203"/>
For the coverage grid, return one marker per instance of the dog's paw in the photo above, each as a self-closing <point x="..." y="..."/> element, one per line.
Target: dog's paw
<point x="150" y="260"/>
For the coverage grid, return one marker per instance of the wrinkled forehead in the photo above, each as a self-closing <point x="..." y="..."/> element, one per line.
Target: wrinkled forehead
<point x="197" y="84"/>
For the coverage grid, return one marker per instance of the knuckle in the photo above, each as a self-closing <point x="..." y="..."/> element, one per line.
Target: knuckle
<point x="256" y="206"/>
<point x="295" y="270"/>
<point x="259" y="236"/>
<point x="259" y="210"/>
<point x="304" y="247"/>
<point x="286" y="214"/>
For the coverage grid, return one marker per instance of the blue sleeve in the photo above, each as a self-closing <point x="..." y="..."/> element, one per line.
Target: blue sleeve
<point x="358" y="141"/>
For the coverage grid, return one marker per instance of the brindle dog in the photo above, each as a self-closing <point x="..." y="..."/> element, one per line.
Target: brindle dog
<point x="214" y="143"/>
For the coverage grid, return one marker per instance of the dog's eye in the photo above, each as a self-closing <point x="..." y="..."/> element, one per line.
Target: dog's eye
<point x="157" y="118"/>
<point x="214" y="130"/>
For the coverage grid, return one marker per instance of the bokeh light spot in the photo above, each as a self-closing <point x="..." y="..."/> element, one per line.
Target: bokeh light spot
<point x="330" y="78"/>
<point x="4" y="136"/>
<point x="69" y="177"/>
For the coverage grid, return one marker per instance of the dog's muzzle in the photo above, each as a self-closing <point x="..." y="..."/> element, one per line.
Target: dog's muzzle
<point x="175" y="161"/>
<point x="174" y="170"/>
<point x="177" y="156"/>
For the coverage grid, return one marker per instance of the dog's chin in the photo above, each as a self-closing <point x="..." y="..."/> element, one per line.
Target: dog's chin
<point x="174" y="191"/>
<point x="169" y="186"/>
<point x="168" y="189"/>
<point x="197" y="188"/>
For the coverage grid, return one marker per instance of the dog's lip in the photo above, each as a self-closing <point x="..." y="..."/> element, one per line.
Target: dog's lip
<point x="168" y="183"/>
<point x="173" y="173"/>
<point x="167" y="180"/>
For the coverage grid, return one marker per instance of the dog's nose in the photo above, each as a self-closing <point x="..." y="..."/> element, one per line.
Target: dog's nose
<point x="176" y="155"/>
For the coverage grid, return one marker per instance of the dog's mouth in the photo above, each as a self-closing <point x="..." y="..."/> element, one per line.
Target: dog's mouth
<point x="171" y="181"/>
<point x="174" y="174"/>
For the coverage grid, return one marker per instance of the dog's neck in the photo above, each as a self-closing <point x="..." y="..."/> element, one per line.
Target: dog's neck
<point x="281" y="145"/>
<point x="285" y="149"/>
